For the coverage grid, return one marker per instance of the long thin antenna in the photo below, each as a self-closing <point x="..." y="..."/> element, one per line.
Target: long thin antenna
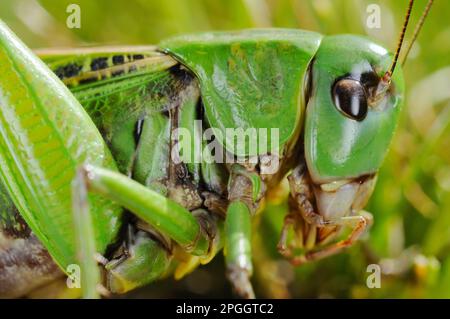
<point x="417" y="30"/>
<point x="400" y="41"/>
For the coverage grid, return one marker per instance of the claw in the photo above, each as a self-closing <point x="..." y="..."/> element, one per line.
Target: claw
<point x="100" y="259"/>
<point x="282" y="246"/>
<point x="240" y="280"/>
<point x="103" y="291"/>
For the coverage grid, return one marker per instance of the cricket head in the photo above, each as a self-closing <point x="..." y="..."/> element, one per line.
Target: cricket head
<point x="353" y="104"/>
<point x="351" y="116"/>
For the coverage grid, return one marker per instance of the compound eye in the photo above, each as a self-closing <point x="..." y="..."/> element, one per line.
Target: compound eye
<point x="350" y="98"/>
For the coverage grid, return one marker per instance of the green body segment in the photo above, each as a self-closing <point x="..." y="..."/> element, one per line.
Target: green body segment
<point x="337" y="147"/>
<point x="238" y="229"/>
<point x="44" y="135"/>
<point x="162" y="213"/>
<point x="93" y="66"/>
<point x="251" y="79"/>
<point x="152" y="161"/>
<point x="84" y="237"/>
<point x="117" y="103"/>
<point x="147" y="262"/>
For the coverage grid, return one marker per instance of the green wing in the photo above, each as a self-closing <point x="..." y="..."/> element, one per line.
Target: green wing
<point x="118" y="87"/>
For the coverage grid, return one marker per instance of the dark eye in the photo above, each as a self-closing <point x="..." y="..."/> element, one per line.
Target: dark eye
<point x="350" y="98"/>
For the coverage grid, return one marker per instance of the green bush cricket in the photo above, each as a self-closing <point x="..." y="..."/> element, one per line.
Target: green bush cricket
<point x="92" y="170"/>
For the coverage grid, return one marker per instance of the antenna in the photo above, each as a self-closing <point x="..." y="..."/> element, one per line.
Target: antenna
<point x="385" y="82"/>
<point x="388" y="74"/>
<point x="417" y="30"/>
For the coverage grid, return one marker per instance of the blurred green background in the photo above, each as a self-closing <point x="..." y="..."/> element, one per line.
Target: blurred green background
<point x="410" y="238"/>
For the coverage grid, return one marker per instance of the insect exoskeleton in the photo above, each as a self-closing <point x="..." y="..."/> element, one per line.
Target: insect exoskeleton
<point x="106" y="163"/>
